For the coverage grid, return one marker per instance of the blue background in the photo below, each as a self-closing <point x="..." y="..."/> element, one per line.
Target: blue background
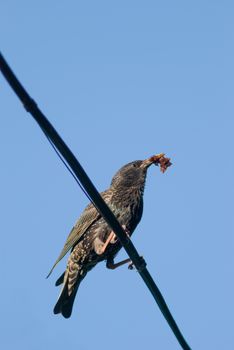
<point x="120" y="81"/>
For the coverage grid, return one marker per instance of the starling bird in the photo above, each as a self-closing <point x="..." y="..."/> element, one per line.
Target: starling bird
<point x="91" y="240"/>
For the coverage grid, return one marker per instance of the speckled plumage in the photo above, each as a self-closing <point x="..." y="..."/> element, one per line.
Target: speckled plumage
<point x="125" y="198"/>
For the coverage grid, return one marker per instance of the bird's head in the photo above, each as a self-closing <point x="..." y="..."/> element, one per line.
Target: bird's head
<point x="133" y="174"/>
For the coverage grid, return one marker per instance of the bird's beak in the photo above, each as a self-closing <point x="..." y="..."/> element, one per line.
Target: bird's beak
<point x="152" y="160"/>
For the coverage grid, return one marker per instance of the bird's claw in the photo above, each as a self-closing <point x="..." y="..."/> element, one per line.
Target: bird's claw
<point x="114" y="239"/>
<point x="142" y="265"/>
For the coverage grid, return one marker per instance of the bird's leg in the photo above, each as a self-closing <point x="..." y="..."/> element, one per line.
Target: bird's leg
<point x="111" y="265"/>
<point x="100" y="247"/>
<point x="103" y="247"/>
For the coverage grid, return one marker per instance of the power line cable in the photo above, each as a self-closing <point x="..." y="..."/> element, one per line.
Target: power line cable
<point x="93" y="194"/>
<point x="69" y="169"/>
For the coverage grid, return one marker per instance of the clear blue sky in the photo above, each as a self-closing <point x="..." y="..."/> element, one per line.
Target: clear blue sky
<point x="120" y="81"/>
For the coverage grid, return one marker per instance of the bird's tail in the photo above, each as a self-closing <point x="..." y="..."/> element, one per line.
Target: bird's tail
<point x="65" y="301"/>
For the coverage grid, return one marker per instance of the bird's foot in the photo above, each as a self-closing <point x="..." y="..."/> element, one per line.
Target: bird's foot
<point x="111" y="265"/>
<point x="141" y="266"/>
<point x="114" y="239"/>
<point x="131" y="266"/>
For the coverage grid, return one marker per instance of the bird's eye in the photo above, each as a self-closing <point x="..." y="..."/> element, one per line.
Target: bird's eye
<point x="134" y="165"/>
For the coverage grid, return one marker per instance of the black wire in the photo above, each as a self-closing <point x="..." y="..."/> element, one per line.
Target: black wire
<point x="68" y="168"/>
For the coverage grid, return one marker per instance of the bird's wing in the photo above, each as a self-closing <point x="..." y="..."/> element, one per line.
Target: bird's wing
<point x="87" y="218"/>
